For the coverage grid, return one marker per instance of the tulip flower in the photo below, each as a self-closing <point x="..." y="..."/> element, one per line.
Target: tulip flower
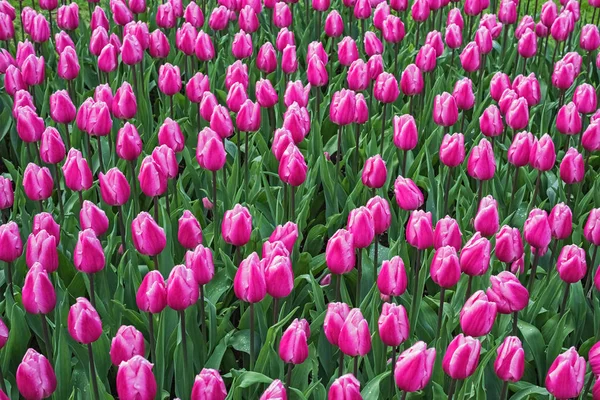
<point x="135" y="379"/>
<point x="414" y="367"/>
<point x="392" y="280"/>
<point x="566" y="375"/>
<point x="189" y="233"/>
<point x="354" y="338"/>
<point x="478" y="315"/>
<point x="374" y="172"/>
<point x="461" y="359"/>
<point x="447" y="233"/>
<point x="487" y="220"/>
<point x="407" y="193"/>
<point x="148" y="237"/>
<point x="93" y="217"/>
<point x="127" y="343"/>
<point x="509" y="246"/>
<point x="35" y="376"/>
<point x="510" y="362"/>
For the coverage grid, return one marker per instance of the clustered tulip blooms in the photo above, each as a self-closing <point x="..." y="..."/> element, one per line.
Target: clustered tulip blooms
<point x="190" y="275"/>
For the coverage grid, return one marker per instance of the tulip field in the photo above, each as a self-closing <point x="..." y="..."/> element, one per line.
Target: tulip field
<point x="294" y="200"/>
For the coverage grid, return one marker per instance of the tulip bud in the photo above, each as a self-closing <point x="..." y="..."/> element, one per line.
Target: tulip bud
<point x="35" y="377"/>
<point x="129" y="143"/>
<point x="445" y="267"/>
<point x="542" y="156"/>
<point x="343" y="107"/>
<point x="236" y="227"/>
<point x="566" y="375"/>
<point x="77" y="173"/>
<point x="445" y="110"/>
<point x="509" y="246"/>
<point x="151" y="296"/>
<point x="293" y="348"/>
<point x="563" y="75"/>
<point x="393" y="324"/>
<point x="37" y="182"/>
<point x="452" y="150"/>
<point x="571" y="264"/>
<point x="520" y="149"/>
<point x="407" y="193"/>
<point x="127" y="343"/>
<point x="148" y="237"/>
<point x="419" y="230"/>
<point x="153" y="180"/>
<point x="463" y="94"/>
<point x="411" y="81"/>
<point x="510" y="362"/>
<point x="52" y="148"/>
<point x="334" y="25"/>
<point x="589" y="40"/>
<point x="414" y="367"/>
<point x="339" y="253"/>
<point x="391" y="280"/>
<point x="447" y="233"/>
<point x="537" y="229"/>
<point x="32" y="70"/>
<point x="361" y="227"/>
<point x="508" y="293"/>
<point x="487" y="219"/>
<point x="182" y="288"/>
<point x="29" y="125"/>
<point x="405" y="132"/>
<point x="591" y="230"/>
<point x="572" y="167"/>
<point x="482" y="164"/>
<point x="135" y="379"/>
<point x="354" y="338"/>
<point x="470" y="57"/>
<point x="490" y="122"/>
<point x="266" y="95"/>
<point x="462" y="357"/>
<point x="38" y="292"/>
<point x="478" y="315"/>
<point x="83" y="322"/>
<point x="41" y="248"/>
<point x="189" y="233"/>
<point x="374" y="172"/>
<point x="475" y="256"/>
<point x="453" y="36"/>
<point x="93" y="217"/>
<point x="380" y="210"/>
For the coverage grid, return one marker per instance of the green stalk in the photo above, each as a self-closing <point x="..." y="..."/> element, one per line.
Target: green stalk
<point x="93" y="376"/>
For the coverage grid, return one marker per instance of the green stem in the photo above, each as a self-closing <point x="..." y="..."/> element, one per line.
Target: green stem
<point x="202" y="312"/>
<point x="214" y="210"/>
<point x="341" y="363"/>
<point x="515" y="324"/>
<point x="504" y="391"/>
<point x="451" y="389"/>
<point x="46" y="335"/>
<point x="92" y="291"/>
<point x="251" y="336"/>
<point x="93" y="376"/>
<point x="122" y="228"/>
<point x="565" y="299"/>
<point x="383" y="128"/>
<point x="184" y="346"/>
<point x="536" y="259"/>
<point x="440" y="313"/>
<point x="151" y="337"/>
<point x="359" y="274"/>
<point x="288" y="381"/>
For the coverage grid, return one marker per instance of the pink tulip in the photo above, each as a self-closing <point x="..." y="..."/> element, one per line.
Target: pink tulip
<point x="447" y="233"/>
<point x="508" y="293"/>
<point x="38" y="292"/>
<point x="542" y="156"/>
<point x="445" y="267"/>
<point x="35" y="377"/>
<point x="510" y="360"/>
<point x="127" y="343"/>
<point x="445" y="110"/>
<point x="135" y="379"/>
<point x="452" y="150"/>
<point x="537" y="229"/>
<point x="374" y="172"/>
<point x="509" y="246"/>
<point x="237" y="226"/>
<point x="354" y="338"/>
<point x="462" y="357"/>
<point x="293" y="348"/>
<point x="93" y="217"/>
<point x="566" y="375"/>
<point x="182" y="288"/>
<point x="482" y="164"/>
<point x="83" y="322"/>
<point x="380" y="210"/>
<point x="571" y="264"/>
<point x="339" y="253"/>
<point x="41" y="248"/>
<point x="152" y="294"/>
<point x="414" y="367"/>
<point x="37" y="182"/>
<point x="478" y="315"/>
<point x="419" y="230"/>
<point x="475" y="256"/>
<point x="391" y="280"/>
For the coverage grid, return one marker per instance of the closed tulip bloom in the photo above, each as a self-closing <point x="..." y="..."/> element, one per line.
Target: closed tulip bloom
<point x="68" y="17"/>
<point x="37" y="182"/>
<point x="185" y="38"/>
<point x="296" y="92"/>
<point x="414" y="367"/>
<point x="374" y="172"/>
<point x="200" y="261"/>
<point x="129" y="143"/>
<point x="361" y="227"/>
<point x="334" y="320"/>
<point x="499" y="83"/>
<point x="241" y="45"/>
<point x="189" y="233"/>
<point x="527" y="46"/>
<point x="219" y="18"/>
<point x="3" y="335"/>
<point x="266" y="60"/>
<point x="169" y="79"/>
<point x="562" y="26"/>
<point x="62" y="109"/>
<point x="248" y="118"/>
<point x="275" y="391"/>
<point x="411" y="81"/>
<point x="208" y="385"/>
<point x="266" y="95"/>
<point x="346" y="387"/>
<point x="249" y="283"/>
<point x="36" y="379"/>
<point x="571" y="264"/>
<point x="282" y="15"/>
<point x="508" y="293"/>
<point x="152" y="178"/>
<point x="196" y="86"/>
<point x="563" y="75"/>
<point x="107" y="59"/>
<point x="88" y="256"/>
<point x="293" y="348"/>
<point x="566" y="375"/>
<point x="339" y="253"/>
<point x="289" y="61"/>
<point x="68" y="64"/>
<point x="316" y="72"/>
<point x="41" y="248"/>
<point x="38" y="292"/>
<point x="483" y="39"/>
<point x="549" y="13"/>
<point x="7" y="28"/>
<point x="334" y="25"/>
<point x="182" y="288"/>
<point x="561" y="221"/>
<point x="445" y="110"/>
<point x="542" y="156"/>
<point x="7" y="195"/>
<point x="591" y="230"/>
<point x="419" y="230"/>
<point x="490" y="122"/>
<point x="286" y="234"/>
<point x="590" y="139"/>
<point x="487" y="219"/>
<point x="62" y="40"/>
<point x="29" y="125"/>
<point x="52" y="148"/>
<point x="445" y="267"/>
<point x="98" y="18"/>
<point x="528" y="87"/>
<point x="568" y="120"/>
<point x="237" y="226"/>
<point x="165" y="16"/>
<point x="284" y="38"/>
<point x="210" y="152"/>
<point x="507" y="13"/>
<point x="281" y="140"/>
<point x="478" y="315"/>
<point x="589" y="40"/>
<point x="220" y="120"/>
<point x="40" y="29"/>
<point x="347" y="51"/>
<point x="343" y="107"/>
<point x="585" y="99"/>
<point x="292" y="166"/>
<point x="572" y="167"/>
<point x="22" y="98"/>
<point x="517" y="116"/>
<point x="152" y="294"/>
<point x="492" y="24"/>
<point x="148" y="237"/>
<point x="120" y="12"/>
<point x="127" y="343"/>
<point x="594" y="358"/>
<point x="470" y="57"/>
<point x="375" y="66"/>
<point x="248" y="20"/>
<point x="391" y="280"/>
<point x="159" y="46"/>
<point x="76" y="171"/>
<point x="99" y="121"/>
<point x="83" y="322"/>
<point x="452" y="150"/>
<point x="165" y="157"/>
<point x="362" y="110"/>
<point x="509" y="245"/>
<point x="372" y="44"/>
<point x="426" y="58"/>
<point x="462" y="357"/>
<point x="386" y="88"/>
<point x="510" y="360"/>
<point x="114" y="187"/>
<point x="297" y="121"/>
<point x="124" y="104"/>
<point x="93" y="217"/>
<point x="11" y="245"/>
<point x="463" y="94"/>
<point x="482" y="164"/>
<point x="135" y="380"/>
<point x="475" y="256"/>
<point x="380" y="210"/>
<point x="407" y="193"/>
<point x="447" y="233"/>
<point x="236" y="97"/>
<point x="354" y="338"/>
<point x="169" y="134"/>
<point x="393" y="324"/>
<point x="358" y="77"/>
<point x="453" y="36"/>
<point x="537" y="229"/>
<point x="33" y="70"/>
